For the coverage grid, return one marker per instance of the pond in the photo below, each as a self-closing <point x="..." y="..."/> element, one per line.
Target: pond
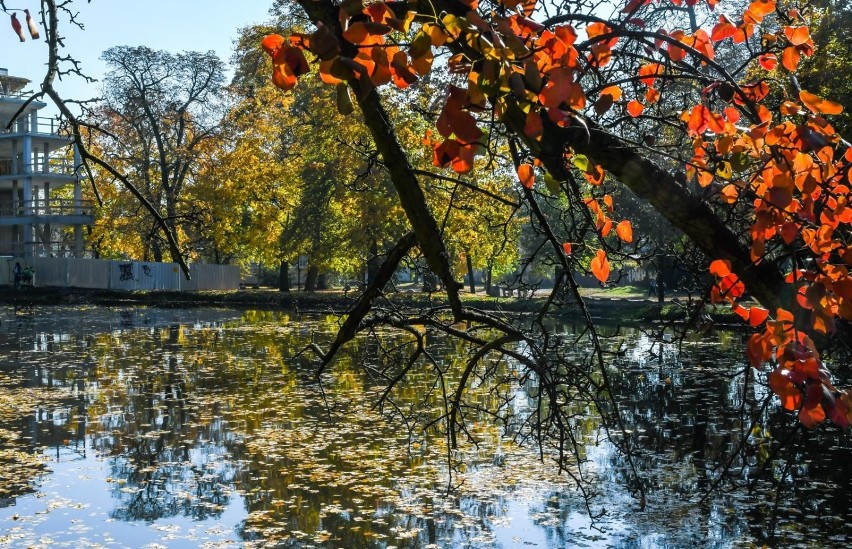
<point x="134" y="427"/>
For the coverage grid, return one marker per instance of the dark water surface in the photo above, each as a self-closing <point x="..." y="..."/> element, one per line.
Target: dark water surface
<point x="144" y="427"/>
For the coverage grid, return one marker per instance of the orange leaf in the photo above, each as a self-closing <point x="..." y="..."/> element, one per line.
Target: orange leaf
<point x="797" y="35"/>
<point x="723" y="29"/>
<point x="741" y="311"/>
<point x="768" y="61"/>
<point x="720" y="268"/>
<point x="271" y="43"/>
<point x="790" y="58"/>
<point x="652" y="95"/>
<point x="624" y="231"/>
<point x="757" y="315"/>
<point x="561" y="87"/>
<point x="759" y="349"/>
<point x="283" y="77"/>
<point x="648" y="73"/>
<point x="606" y="228"/>
<point x="635" y="108"/>
<point x="566" y="247"/>
<point x="729" y="194"/>
<point x="818" y="104"/>
<point x="600" y="266"/>
<point x="760" y="9"/>
<point x="732" y="114"/>
<point x="790" y="395"/>
<point x="613" y="91"/>
<point x="526" y="175"/>
<point x="783" y="315"/>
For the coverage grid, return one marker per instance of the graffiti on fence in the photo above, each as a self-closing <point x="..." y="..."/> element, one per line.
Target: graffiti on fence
<point x="126" y="270"/>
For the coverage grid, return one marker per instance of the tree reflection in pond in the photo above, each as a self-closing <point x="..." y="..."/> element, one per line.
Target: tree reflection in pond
<point x="207" y="419"/>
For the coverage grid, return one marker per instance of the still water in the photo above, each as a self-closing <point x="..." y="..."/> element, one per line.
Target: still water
<point x="136" y="427"/>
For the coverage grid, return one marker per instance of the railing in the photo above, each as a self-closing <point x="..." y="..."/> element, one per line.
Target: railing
<point x="24" y="124"/>
<point x="20" y="94"/>
<point x="52" y="166"/>
<point x="39" y="248"/>
<point x="52" y="206"/>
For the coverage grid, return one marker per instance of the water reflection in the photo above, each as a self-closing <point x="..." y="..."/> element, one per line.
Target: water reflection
<point x="198" y="427"/>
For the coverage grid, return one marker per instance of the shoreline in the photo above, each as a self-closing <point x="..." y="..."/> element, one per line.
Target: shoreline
<point x="622" y="310"/>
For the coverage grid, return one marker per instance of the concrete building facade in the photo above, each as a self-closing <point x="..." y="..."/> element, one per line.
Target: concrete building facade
<point x="42" y="212"/>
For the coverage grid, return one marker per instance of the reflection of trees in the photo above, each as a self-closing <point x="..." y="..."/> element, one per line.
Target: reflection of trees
<point x="166" y="460"/>
<point x="189" y="416"/>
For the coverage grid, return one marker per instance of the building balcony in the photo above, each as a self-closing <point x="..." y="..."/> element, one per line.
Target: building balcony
<point x="39" y="248"/>
<point x="58" y="211"/>
<point x="41" y="126"/>
<point x="44" y="168"/>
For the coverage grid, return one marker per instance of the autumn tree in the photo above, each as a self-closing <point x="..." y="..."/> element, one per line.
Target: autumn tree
<point x="637" y="97"/>
<point x="158" y="112"/>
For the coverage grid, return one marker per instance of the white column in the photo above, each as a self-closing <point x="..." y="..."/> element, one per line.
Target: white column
<point x="27" y="150"/>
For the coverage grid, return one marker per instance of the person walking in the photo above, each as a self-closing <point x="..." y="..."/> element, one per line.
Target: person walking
<point x="18" y="274"/>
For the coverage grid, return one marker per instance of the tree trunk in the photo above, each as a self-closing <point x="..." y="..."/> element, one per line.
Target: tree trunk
<point x="156" y="251"/>
<point x="322" y="281"/>
<point x="488" y="278"/>
<point x="373" y="262"/>
<point x="661" y="285"/>
<point x="311" y="278"/>
<point x="284" y="277"/>
<point x="470" y="274"/>
<point x="430" y="282"/>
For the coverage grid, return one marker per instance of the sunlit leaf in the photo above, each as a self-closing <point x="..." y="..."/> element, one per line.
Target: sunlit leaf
<point x="818" y="104"/>
<point x="526" y="175"/>
<point x="600" y="266"/>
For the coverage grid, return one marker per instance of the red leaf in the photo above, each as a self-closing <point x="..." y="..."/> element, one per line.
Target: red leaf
<point x="633" y="5"/>
<point x="812" y="413"/>
<point x="566" y="247"/>
<point x="768" y="61"/>
<point x="723" y="29"/>
<point x="16" y="26"/>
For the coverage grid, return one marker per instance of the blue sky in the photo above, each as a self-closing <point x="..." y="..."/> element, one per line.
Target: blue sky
<point x="175" y="25"/>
